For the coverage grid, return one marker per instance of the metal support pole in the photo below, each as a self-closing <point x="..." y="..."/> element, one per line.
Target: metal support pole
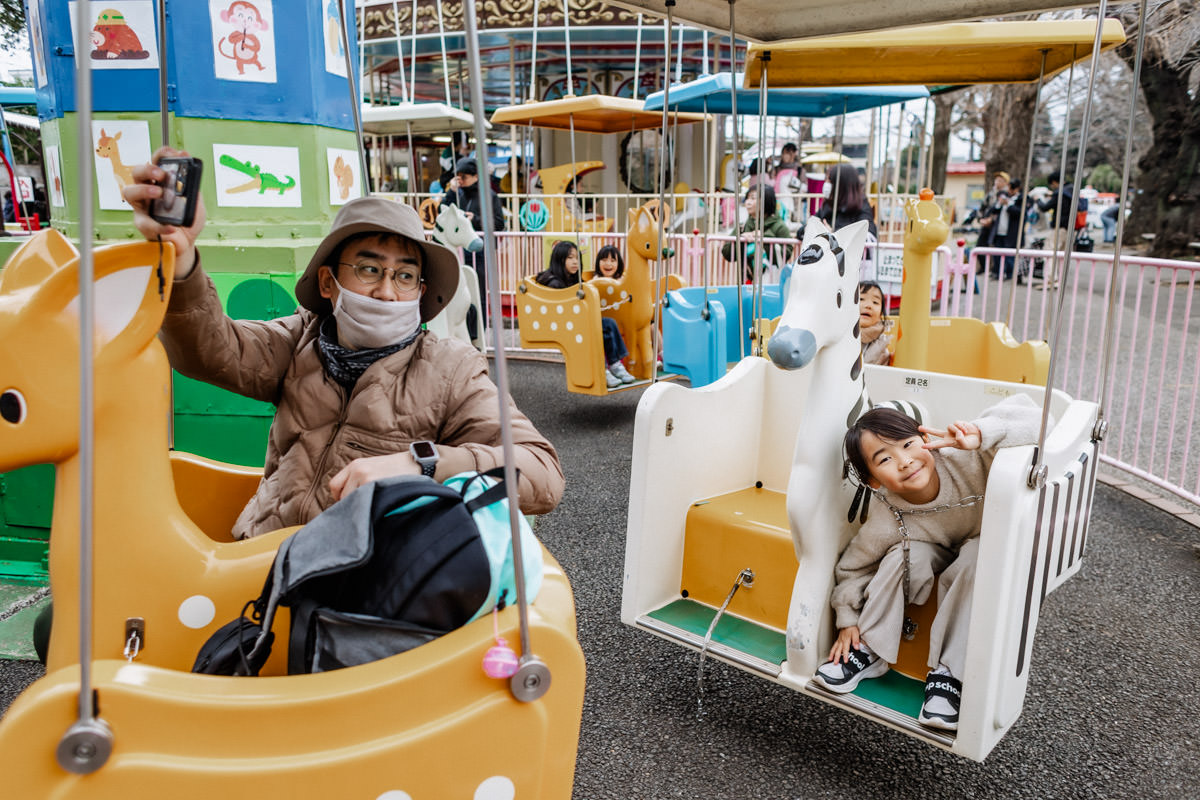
<point x="1037" y="104"/>
<point x="1109" y="328"/>
<point x="532" y="678"/>
<point x="1037" y="473"/>
<point x="88" y="742"/>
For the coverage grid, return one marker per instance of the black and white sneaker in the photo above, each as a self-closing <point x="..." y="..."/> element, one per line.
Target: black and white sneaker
<point x="842" y="677"/>
<point x="943" y="695"/>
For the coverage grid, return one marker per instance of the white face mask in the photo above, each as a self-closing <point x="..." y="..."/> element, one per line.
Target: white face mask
<point x="365" y="323"/>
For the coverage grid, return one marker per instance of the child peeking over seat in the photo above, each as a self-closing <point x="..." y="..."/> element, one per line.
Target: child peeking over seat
<point x="931" y="483"/>
<point x="872" y="327"/>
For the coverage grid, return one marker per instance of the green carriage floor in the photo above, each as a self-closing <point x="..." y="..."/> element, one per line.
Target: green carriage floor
<point x="892" y="690"/>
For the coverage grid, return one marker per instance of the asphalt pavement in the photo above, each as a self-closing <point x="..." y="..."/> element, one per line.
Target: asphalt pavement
<point x="1112" y="709"/>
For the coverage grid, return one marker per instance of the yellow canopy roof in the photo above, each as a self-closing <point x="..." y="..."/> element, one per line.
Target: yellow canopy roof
<point x="954" y="53"/>
<point x="590" y="113"/>
<point x="776" y="21"/>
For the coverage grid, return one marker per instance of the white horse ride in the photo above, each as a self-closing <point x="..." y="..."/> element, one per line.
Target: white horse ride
<point x="738" y="509"/>
<point x="454" y="230"/>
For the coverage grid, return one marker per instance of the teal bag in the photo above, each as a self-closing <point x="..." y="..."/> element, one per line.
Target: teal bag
<point x="494" y="531"/>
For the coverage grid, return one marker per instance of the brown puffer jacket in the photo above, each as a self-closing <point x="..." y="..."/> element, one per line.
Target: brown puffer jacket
<point x="436" y="389"/>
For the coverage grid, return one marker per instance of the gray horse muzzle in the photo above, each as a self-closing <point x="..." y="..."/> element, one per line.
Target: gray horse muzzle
<point x="792" y="348"/>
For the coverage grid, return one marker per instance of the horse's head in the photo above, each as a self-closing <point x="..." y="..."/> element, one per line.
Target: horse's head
<point x="821" y="307"/>
<point x="39" y="339"/>
<point x="453" y="229"/>
<point x="926" y="229"/>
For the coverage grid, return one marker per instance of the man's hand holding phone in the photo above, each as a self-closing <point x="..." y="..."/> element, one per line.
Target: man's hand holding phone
<point x="156" y="196"/>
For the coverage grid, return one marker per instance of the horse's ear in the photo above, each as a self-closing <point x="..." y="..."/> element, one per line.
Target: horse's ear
<point x="853" y="238"/>
<point x="812" y="229"/>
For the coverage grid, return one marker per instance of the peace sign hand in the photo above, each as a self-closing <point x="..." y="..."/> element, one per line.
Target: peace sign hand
<point x="963" y="435"/>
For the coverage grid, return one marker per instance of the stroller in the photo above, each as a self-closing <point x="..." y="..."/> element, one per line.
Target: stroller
<point x="1030" y="268"/>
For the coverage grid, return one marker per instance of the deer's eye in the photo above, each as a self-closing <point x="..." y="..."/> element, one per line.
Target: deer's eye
<point x="12" y="406"/>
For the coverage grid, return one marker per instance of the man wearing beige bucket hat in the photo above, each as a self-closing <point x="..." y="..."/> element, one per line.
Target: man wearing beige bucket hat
<point x="361" y="390"/>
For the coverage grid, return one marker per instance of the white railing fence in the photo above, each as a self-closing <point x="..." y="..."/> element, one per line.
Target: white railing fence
<point x="1155" y="376"/>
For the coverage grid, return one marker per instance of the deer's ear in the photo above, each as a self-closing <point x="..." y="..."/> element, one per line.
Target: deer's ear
<point x="128" y="302"/>
<point x="36" y="260"/>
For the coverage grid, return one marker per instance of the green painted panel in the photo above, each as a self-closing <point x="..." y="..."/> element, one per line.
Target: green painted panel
<point x="900" y="693"/>
<point x="27" y="496"/>
<point x="292" y="233"/>
<point x="891" y="690"/>
<point x="236" y="440"/>
<point x="741" y="635"/>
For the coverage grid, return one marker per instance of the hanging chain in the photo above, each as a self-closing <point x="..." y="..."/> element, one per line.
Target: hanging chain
<point x="904" y="537"/>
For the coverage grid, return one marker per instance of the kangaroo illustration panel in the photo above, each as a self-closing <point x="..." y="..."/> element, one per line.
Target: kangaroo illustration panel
<point x="257" y="176"/>
<point x="54" y="175"/>
<point x="345" y="184"/>
<point x="119" y="145"/>
<point x="243" y="40"/>
<point x="123" y="36"/>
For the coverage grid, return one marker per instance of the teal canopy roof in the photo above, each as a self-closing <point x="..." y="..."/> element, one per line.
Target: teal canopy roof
<point x="710" y="93"/>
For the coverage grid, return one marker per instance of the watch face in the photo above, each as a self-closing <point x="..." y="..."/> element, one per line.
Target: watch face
<point x="423" y="450"/>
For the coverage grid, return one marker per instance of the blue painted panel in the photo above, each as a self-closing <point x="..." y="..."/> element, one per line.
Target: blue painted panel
<point x="693" y="345"/>
<point x="303" y="93"/>
<point x="112" y="89"/>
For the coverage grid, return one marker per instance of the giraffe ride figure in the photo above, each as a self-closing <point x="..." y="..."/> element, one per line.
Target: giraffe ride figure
<point x="925" y="232"/>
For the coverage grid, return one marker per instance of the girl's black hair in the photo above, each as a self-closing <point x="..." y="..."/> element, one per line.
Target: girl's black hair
<point x="845" y="182"/>
<point x="865" y="285"/>
<point x="886" y="423"/>
<point x="766" y="196"/>
<point x="558" y="262"/>
<point x="605" y="252"/>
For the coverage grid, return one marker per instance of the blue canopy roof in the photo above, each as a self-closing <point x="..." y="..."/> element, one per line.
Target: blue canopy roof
<point x="710" y="93"/>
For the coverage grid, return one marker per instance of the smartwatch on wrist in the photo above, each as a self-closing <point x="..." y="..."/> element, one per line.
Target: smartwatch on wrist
<point x="426" y="455"/>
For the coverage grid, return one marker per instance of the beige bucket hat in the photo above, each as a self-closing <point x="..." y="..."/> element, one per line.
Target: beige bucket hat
<point x="439" y="271"/>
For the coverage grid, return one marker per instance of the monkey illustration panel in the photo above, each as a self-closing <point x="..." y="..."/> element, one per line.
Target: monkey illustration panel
<point x="243" y="39"/>
<point x="118" y="146"/>
<point x="123" y="33"/>
<point x="335" y="54"/>
<point x="257" y="176"/>
<point x="54" y="176"/>
<point x="345" y="184"/>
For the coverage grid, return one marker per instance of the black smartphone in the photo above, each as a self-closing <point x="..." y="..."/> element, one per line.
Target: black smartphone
<point x="177" y="206"/>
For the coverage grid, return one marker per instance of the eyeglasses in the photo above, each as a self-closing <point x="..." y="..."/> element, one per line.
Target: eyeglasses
<point x="405" y="278"/>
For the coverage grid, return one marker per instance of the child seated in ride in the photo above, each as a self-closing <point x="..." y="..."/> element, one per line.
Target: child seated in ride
<point x="933" y="492"/>
<point x="873" y="329"/>
<point x="609" y="263"/>
<point x="563" y="272"/>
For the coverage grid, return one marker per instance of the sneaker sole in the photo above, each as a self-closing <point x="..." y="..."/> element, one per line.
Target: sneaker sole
<point x="937" y="722"/>
<point x="877" y="668"/>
